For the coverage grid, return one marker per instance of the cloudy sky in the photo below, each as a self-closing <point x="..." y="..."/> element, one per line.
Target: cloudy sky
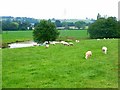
<point x="60" y="9"/>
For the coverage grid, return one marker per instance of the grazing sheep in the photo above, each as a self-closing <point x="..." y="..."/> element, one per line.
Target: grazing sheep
<point x="77" y="41"/>
<point x="47" y="45"/>
<point x="104" y="49"/>
<point x="88" y="54"/>
<point x="70" y="43"/>
<point x="66" y="44"/>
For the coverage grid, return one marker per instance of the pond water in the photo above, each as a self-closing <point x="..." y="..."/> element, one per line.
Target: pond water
<point x="29" y="44"/>
<point x="23" y="44"/>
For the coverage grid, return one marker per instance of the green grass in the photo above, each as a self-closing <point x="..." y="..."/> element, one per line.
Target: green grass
<point x="73" y="34"/>
<point x="13" y="36"/>
<point x="61" y="66"/>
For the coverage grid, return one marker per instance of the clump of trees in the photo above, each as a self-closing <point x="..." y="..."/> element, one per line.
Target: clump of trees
<point x="104" y="28"/>
<point x="45" y="31"/>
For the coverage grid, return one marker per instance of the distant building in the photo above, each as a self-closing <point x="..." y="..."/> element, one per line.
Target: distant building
<point x="72" y="27"/>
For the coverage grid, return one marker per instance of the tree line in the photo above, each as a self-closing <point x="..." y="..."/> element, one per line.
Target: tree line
<point x="18" y="24"/>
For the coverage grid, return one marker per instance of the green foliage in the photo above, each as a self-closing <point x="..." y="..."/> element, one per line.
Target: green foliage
<point x="58" y="23"/>
<point x="6" y="25"/>
<point x="118" y="29"/>
<point x="80" y="24"/>
<point x="45" y="31"/>
<point x="104" y="28"/>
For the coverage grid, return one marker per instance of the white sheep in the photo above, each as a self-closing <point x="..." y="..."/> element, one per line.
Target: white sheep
<point x="67" y="44"/>
<point x="77" y="41"/>
<point x="47" y="45"/>
<point x="71" y="44"/>
<point x="104" y="49"/>
<point x="88" y="54"/>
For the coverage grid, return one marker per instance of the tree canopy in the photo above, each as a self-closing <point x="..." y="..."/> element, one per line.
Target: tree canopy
<point x="104" y="28"/>
<point x="45" y="31"/>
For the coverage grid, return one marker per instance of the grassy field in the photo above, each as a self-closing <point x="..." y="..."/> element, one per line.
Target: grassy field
<point x="61" y="66"/>
<point x="13" y="36"/>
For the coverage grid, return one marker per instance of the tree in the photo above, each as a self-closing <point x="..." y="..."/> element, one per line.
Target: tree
<point x="104" y="28"/>
<point x="80" y="24"/>
<point x="45" y="31"/>
<point x="118" y="29"/>
<point x="58" y="23"/>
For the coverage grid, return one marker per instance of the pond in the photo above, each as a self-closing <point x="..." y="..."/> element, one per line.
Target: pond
<point x="23" y="44"/>
<point x="30" y="44"/>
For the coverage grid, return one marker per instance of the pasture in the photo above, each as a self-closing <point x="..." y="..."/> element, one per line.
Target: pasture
<point x="13" y="36"/>
<point x="62" y="66"/>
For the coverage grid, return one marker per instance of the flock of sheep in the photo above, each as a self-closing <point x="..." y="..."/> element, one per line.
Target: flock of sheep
<point x="88" y="54"/>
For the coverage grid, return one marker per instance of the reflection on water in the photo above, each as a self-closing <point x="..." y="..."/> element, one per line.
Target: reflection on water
<point x="23" y="44"/>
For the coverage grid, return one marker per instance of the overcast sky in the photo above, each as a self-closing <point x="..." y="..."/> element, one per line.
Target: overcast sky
<point x="59" y="9"/>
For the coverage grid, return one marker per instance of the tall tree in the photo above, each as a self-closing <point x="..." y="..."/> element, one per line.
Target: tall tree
<point x="45" y="31"/>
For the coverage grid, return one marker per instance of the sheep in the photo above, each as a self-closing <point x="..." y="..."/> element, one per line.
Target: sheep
<point x="88" y="54"/>
<point x="35" y="44"/>
<point x="47" y="45"/>
<point x="77" y="41"/>
<point x="104" y="49"/>
<point x="67" y="44"/>
<point x="70" y="43"/>
<point x="53" y="43"/>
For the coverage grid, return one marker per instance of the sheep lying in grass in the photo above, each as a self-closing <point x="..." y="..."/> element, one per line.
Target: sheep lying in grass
<point x="104" y="49"/>
<point x="88" y="54"/>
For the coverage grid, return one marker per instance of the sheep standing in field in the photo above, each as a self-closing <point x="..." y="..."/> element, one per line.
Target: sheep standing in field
<point x="104" y="49"/>
<point x="47" y="46"/>
<point x="88" y="54"/>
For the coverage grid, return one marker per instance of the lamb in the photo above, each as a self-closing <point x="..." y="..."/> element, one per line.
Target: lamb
<point x="104" y="49"/>
<point x="47" y="45"/>
<point x="88" y="54"/>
